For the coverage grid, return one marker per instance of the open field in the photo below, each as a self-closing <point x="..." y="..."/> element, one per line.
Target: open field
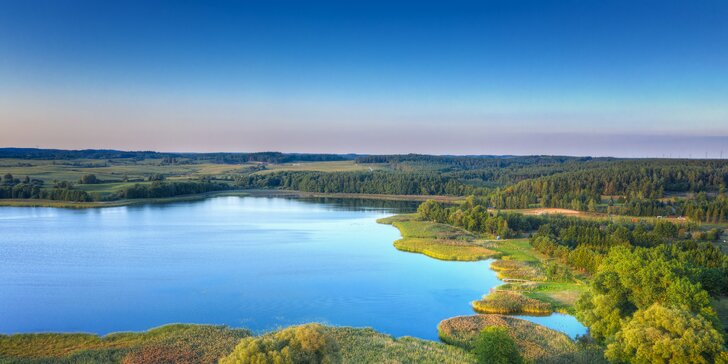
<point x="540" y="211"/>
<point x="337" y="166"/>
<point x="116" y="169"/>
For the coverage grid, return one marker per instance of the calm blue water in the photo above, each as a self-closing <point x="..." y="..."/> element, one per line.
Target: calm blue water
<point x="248" y="262"/>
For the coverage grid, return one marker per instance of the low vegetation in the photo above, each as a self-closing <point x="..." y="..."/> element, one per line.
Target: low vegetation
<point x="298" y="344"/>
<point x="438" y="241"/>
<point x="495" y="346"/>
<point x="504" y="302"/>
<point x="535" y="343"/>
<point x="510" y="269"/>
<point x="311" y="343"/>
<point x="172" y="343"/>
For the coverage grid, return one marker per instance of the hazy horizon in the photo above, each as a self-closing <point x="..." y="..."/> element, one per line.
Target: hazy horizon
<point x="623" y="78"/>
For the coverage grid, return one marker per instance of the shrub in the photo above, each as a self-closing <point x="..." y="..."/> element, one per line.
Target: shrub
<point x="661" y="335"/>
<point x="495" y="346"/>
<point x="299" y="344"/>
<point x="88" y="179"/>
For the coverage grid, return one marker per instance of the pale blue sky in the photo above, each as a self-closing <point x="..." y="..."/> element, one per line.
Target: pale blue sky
<point x="623" y="78"/>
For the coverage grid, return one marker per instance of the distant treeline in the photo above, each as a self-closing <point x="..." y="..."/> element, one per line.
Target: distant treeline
<point x="375" y="182"/>
<point x="107" y="154"/>
<point x="159" y="189"/>
<point x="473" y="162"/>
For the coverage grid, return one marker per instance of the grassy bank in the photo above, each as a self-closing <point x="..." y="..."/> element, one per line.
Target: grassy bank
<point x="536" y="343"/>
<point x="524" y="271"/>
<point x="527" y="289"/>
<point x="505" y="302"/>
<point x="438" y="241"/>
<point x="208" y="344"/>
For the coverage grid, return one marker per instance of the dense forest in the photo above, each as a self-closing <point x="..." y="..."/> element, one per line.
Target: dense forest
<point x="651" y="284"/>
<point x="377" y="182"/>
<point x="160" y="189"/>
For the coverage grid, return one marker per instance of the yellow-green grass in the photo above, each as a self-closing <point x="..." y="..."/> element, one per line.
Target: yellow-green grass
<point x="515" y="249"/>
<point x="116" y="170"/>
<point x="412" y="228"/>
<point x="369" y="346"/>
<point x="439" y="241"/>
<point x="537" y="344"/>
<point x="507" y="269"/>
<point x="172" y="343"/>
<point x="561" y="296"/>
<point x="521" y="267"/>
<point x="444" y="249"/>
<point x="511" y="302"/>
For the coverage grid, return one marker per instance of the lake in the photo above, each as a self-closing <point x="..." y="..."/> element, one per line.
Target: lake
<point x="259" y="263"/>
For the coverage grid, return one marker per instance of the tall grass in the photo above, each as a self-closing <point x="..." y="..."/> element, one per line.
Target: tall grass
<point x="504" y="302"/>
<point x="439" y="241"/>
<point x="172" y="343"/>
<point x="536" y="343"/>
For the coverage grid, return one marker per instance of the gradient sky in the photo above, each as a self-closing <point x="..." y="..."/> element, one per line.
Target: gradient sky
<point x="621" y="78"/>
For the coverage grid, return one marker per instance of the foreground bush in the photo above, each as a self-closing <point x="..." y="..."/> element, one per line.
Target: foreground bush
<point x="495" y="346"/>
<point x="535" y="343"/>
<point x="663" y="335"/>
<point x="299" y="345"/>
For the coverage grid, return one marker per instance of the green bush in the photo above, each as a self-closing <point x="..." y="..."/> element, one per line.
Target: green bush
<point x="495" y="346"/>
<point x="299" y="345"/>
<point x="665" y="335"/>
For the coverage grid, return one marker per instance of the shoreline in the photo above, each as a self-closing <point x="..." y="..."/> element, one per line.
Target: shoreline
<point x="497" y="256"/>
<point x="237" y="192"/>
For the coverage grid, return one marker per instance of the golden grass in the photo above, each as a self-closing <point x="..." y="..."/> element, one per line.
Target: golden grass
<point x="184" y="343"/>
<point x="508" y="302"/>
<point x="444" y="249"/>
<point x="208" y="344"/>
<point x="536" y="343"/>
<point x="333" y="166"/>
<point x="518" y="270"/>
